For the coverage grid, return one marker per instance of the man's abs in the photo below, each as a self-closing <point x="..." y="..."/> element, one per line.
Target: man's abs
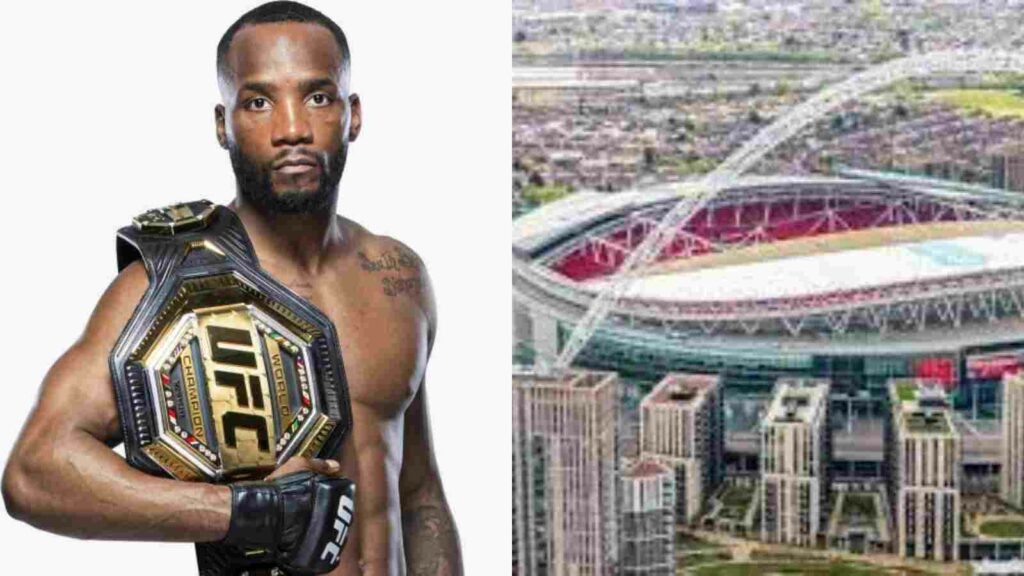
<point x="373" y="458"/>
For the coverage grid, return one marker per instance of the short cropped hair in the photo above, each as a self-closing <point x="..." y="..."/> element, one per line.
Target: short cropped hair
<point x="283" y="11"/>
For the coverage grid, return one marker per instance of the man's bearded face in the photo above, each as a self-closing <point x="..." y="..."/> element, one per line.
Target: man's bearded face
<point x="291" y="119"/>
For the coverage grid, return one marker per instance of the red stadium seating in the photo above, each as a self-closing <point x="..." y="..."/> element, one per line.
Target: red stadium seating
<point x="734" y="224"/>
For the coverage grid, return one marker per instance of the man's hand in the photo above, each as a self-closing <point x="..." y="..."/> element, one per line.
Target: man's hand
<point x="301" y="513"/>
<point x="316" y="465"/>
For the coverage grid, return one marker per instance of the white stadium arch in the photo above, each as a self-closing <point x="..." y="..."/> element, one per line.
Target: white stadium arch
<point x="695" y="195"/>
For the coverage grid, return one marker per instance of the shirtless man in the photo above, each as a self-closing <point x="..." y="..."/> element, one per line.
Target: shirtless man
<point x="286" y="119"/>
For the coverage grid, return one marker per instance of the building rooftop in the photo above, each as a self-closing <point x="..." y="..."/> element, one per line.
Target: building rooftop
<point x="646" y="468"/>
<point x="927" y="423"/>
<point x="682" y="389"/>
<point x="797" y="400"/>
<point x="1013" y="379"/>
<point x="920" y="406"/>
<point x="1013" y="148"/>
<point x="911" y="393"/>
<point x="578" y="379"/>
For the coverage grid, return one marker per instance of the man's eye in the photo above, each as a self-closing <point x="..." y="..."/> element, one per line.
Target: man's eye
<point x="320" y="99"/>
<point x="258" y="103"/>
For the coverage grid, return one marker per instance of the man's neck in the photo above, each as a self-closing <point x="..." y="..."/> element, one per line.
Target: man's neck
<point x="301" y="240"/>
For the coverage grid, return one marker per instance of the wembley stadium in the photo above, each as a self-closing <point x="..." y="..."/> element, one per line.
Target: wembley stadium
<point x="858" y="277"/>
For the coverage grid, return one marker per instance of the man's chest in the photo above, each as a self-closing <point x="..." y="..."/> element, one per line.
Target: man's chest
<point x="383" y="340"/>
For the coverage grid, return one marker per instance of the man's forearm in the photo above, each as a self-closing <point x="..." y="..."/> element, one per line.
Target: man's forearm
<point x="431" y="540"/>
<point x="85" y="490"/>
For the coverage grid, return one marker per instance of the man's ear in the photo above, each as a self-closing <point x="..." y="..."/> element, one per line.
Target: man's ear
<point x="222" y="134"/>
<point x="356" y="117"/>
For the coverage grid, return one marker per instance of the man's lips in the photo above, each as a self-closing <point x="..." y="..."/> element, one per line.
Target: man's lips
<point x="296" y="168"/>
<point x="295" y="165"/>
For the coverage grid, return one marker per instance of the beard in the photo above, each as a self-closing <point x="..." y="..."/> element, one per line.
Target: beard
<point x="256" y="187"/>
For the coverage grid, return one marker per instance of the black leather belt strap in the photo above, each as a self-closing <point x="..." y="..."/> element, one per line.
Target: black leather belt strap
<point x="160" y="248"/>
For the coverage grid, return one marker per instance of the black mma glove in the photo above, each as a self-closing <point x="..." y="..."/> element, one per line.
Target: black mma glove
<point x="301" y="518"/>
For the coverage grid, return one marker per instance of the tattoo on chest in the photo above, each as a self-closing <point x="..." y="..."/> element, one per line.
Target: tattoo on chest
<point x="395" y="260"/>
<point x="390" y="261"/>
<point x="394" y="285"/>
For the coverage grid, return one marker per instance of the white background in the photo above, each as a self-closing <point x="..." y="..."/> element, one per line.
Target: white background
<point x="107" y="110"/>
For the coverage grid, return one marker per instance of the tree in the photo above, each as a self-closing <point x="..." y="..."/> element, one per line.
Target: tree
<point x="650" y="156"/>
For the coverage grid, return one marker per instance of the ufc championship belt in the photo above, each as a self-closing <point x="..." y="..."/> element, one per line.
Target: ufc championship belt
<point x="222" y="373"/>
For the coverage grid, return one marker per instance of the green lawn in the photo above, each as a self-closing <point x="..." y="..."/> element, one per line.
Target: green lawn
<point x="783" y="557"/>
<point x="906" y="392"/>
<point x="997" y="102"/>
<point x="1002" y="528"/>
<point x="735" y="500"/>
<point x="814" y="568"/>
<point x="686" y="542"/>
<point x="706" y="557"/>
<point x="546" y="193"/>
<point x="736" y="496"/>
<point x="859" y="505"/>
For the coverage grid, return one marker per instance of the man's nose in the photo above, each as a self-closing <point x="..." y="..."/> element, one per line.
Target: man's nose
<point x="291" y="125"/>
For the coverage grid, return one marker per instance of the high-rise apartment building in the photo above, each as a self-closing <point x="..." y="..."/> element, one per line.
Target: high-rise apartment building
<point x="795" y="455"/>
<point x="1007" y="167"/>
<point x="1012" y="470"/>
<point x="564" y="474"/>
<point x="681" y="425"/>
<point x="924" y="467"/>
<point x="647" y="525"/>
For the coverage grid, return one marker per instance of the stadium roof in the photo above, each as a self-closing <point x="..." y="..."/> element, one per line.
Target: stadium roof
<point x="933" y="186"/>
<point x="574" y="212"/>
<point x="939" y="340"/>
<point x="561" y="218"/>
<point x="908" y="279"/>
<point x="838" y="271"/>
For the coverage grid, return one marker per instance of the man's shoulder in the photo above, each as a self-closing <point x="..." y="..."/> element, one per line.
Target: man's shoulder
<point x="116" y="305"/>
<point x="380" y="252"/>
<point x="399" y="270"/>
